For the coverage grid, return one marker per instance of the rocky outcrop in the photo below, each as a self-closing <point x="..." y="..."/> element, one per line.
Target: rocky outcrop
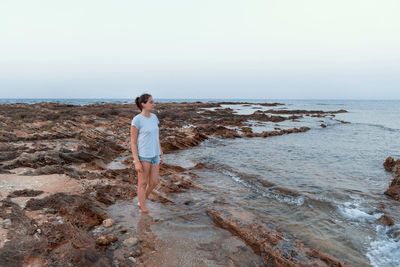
<point x="276" y="248"/>
<point x="394" y="186"/>
<point x="54" y="242"/>
<point x="78" y="143"/>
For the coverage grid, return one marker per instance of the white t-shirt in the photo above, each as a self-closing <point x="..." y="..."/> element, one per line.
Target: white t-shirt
<point x="148" y="136"/>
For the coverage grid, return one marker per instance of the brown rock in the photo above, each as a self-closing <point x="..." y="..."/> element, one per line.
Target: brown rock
<point x="394" y="186"/>
<point x="106" y="240"/>
<point x="276" y="247"/>
<point x="386" y="220"/>
<point x="390" y="163"/>
<point x="108" y="222"/>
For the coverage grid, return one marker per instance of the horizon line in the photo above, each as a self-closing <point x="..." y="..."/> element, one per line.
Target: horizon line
<point x="78" y="98"/>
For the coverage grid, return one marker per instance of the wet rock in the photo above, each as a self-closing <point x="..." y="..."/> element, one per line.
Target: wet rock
<point x="276" y="247"/>
<point x="199" y="165"/>
<point x="393" y="192"/>
<point x="323" y="125"/>
<point x="390" y="163"/>
<point x="385" y="220"/>
<point x="394" y="186"/>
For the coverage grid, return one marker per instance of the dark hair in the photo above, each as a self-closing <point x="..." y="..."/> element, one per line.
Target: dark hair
<point x="142" y="99"/>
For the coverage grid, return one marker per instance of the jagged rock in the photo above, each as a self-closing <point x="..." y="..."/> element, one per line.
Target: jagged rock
<point x="394" y="186"/>
<point x="390" y="163"/>
<point x="25" y="193"/>
<point x="386" y="220"/>
<point x="276" y="247"/>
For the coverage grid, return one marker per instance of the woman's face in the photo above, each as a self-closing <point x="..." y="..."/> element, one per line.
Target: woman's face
<point x="149" y="105"/>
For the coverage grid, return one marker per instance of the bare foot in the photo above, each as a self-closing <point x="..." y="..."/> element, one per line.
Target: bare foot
<point x="144" y="210"/>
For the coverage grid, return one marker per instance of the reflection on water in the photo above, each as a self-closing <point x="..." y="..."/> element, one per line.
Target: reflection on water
<point x="182" y="235"/>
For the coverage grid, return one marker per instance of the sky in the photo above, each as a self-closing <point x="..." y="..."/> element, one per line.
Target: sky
<point x="283" y="49"/>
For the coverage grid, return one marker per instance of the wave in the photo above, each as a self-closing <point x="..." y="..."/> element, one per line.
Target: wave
<point x="267" y="189"/>
<point x="385" y="249"/>
<point x="353" y="211"/>
<point x="383" y="127"/>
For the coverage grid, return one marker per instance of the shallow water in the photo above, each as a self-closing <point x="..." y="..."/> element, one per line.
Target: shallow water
<point x="327" y="189"/>
<point x="336" y="171"/>
<point x="182" y="235"/>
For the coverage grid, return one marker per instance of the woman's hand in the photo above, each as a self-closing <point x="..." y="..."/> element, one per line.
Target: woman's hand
<point x="138" y="166"/>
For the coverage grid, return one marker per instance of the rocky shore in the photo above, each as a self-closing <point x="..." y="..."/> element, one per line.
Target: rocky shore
<point x="62" y="165"/>
<point x="393" y="166"/>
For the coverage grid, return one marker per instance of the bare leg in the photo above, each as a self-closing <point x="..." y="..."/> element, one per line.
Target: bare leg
<point x="153" y="178"/>
<point x="143" y="181"/>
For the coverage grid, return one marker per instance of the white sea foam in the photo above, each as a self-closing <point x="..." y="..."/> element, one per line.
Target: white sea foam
<point x="353" y="211"/>
<point x="384" y="251"/>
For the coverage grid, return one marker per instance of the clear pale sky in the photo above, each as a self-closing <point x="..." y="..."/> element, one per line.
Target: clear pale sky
<point x="337" y="49"/>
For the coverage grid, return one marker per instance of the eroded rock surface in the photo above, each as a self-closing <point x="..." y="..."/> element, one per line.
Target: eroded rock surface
<point x="394" y="186"/>
<point x="276" y="248"/>
<point x="58" y="177"/>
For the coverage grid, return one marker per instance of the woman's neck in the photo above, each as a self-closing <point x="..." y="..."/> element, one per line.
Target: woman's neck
<point x="146" y="113"/>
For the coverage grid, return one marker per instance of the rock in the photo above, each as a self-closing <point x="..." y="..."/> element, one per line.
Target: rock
<point x="199" y="165"/>
<point x="25" y="193"/>
<point x="132" y="259"/>
<point x="6" y="223"/>
<point x="130" y="241"/>
<point x="390" y="163"/>
<point x="276" y="247"/>
<point x="105" y="240"/>
<point x="393" y="192"/>
<point x="385" y="220"/>
<point x="79" y="141"/>
<point x="108" y="222"/>
<point x="394" y="186"/>
<point x="323" y="125"/>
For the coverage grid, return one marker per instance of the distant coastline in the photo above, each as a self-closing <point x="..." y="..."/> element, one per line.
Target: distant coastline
<point x="88" y="101"/>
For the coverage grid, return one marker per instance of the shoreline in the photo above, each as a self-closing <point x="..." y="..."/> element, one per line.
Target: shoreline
<point x="52" y="142"/>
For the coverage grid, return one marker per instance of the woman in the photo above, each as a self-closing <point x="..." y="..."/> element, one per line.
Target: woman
<point x="146" y="148"/>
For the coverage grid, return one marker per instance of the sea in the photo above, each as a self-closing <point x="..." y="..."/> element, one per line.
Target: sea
<point x="337" y="173"/>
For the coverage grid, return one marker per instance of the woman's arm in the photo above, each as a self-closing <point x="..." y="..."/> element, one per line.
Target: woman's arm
<point x="134" y="137"/>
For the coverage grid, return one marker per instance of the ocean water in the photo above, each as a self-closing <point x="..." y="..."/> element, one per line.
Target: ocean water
<point x="336" y="173"/>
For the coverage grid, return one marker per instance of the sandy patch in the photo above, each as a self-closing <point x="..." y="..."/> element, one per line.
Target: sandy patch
<point x="50" y="184"/>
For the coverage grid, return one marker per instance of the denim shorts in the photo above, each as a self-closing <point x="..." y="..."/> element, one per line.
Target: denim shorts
<point x="153" y="161"/>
